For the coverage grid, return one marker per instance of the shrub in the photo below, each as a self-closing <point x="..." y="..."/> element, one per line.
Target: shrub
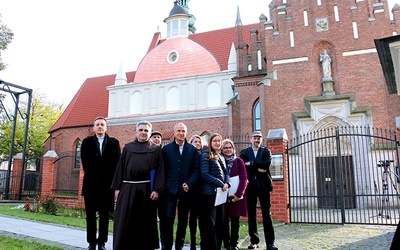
<point x="49" y="206"/>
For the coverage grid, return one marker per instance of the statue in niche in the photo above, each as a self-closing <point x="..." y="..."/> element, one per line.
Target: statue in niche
<point x="325" y="60"/>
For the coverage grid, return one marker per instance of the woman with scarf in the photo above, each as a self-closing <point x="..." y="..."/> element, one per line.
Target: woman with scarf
<point x="236" y="205"/>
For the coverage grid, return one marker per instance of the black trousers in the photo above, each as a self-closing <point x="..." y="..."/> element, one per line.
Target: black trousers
<point x="91" y="222"/>
<point x="167" y="213"/>
<point x="252" y="193"/>
<point x="231" y="231"/>
<point x="211" y="222"/>
<point x="194" y="216"/>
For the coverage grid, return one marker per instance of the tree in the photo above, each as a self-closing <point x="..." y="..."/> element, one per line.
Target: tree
<point x="43" y="115"/>
<point x="6" y="36"/>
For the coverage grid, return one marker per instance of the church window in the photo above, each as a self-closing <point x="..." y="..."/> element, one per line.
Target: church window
<point x="305" y="16"/>
<point x="175" y="29"/>
<point x="213" y="95"/>
<point x="257" y="117"/>
<point x="77" y="163"/>
<point x="184" y="27"/>
<point x="169" y="32"/>
<point x="172" y="57"/>
<point x="173" y="98"/>
<point x="336" y="11"/>
<point x="355" y="30"/>
<point x="291" y="38"/>
<point x="136" y="103"/>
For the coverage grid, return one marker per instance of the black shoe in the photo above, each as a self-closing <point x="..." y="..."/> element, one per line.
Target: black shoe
<point x="252" y="246"/>
<point x="91" y="247"/>
<point x="102" y="246"/>
<point x="271" y="247"/>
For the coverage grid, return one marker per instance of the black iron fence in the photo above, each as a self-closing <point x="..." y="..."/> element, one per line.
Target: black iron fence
<point x="344" y="175"/>
<point x="67" y="168"/>
<point x="31" y="185"/>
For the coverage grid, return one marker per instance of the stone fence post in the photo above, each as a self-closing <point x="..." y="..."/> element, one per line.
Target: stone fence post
<point x="277" y="143"/>
<point x="49" y="175"/>
<point x="16" y="178"/>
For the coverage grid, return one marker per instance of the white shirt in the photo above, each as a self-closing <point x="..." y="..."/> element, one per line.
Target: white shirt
<point x="101" y="139"/>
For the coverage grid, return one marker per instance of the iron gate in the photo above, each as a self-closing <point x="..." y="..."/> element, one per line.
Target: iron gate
<point x="344" y="175"/>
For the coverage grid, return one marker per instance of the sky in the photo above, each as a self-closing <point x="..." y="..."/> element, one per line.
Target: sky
<point x="59" y="44"/>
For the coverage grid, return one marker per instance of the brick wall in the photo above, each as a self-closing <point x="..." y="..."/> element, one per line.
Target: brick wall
<point x="359" y="74"/>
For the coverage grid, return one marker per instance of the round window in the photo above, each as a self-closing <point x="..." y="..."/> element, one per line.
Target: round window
<point x="172" y="57"/>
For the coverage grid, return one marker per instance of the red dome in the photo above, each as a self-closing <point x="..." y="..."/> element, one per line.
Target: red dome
<point x="191" y="60"/>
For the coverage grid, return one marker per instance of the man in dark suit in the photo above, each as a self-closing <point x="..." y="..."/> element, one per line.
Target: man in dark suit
<point x="181" y="162"/>
<point x="99" y="154"/>
<point x="257" y="160"/>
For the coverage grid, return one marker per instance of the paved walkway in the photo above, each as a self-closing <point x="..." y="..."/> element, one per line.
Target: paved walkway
<point x="294" y="236"/>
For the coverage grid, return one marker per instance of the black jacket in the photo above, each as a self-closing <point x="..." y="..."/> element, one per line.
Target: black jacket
<point x="263" y="161"/>
<point x="99" y="169"/>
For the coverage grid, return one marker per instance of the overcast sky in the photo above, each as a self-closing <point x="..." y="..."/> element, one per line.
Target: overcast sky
<point x="58" y="44"/>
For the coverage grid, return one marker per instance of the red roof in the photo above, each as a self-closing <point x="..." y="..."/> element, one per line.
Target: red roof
<point x="218" y="42"/>
<point x="91" y="100"/>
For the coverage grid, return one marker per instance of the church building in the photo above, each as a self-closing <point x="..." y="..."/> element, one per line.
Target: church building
<point x="312" y="65"/>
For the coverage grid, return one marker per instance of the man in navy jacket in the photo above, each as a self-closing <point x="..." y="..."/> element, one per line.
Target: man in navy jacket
<point x="181" y="162"/>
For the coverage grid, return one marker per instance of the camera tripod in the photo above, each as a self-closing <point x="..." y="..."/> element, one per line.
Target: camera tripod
<point x="384" y="211"/>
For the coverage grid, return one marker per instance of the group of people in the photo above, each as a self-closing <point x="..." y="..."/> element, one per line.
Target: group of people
<point x="147" y="182"/>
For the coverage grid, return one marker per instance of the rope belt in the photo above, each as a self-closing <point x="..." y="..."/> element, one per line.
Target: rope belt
<point x="136" y="182"/>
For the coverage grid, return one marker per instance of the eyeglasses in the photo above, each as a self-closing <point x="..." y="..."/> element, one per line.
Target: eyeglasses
<point x="226" y="148"/>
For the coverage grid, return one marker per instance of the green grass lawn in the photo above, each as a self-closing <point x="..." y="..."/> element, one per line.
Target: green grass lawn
<point x="12" y="243"/>
<point x="74" y="218"/>
<point x="12" y="210"/>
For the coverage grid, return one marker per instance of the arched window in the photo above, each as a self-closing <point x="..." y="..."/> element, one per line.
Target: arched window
<point x="78" y="154"/>
<point x="137" y="103"/>
<point x="213" y="95"/>
<point x="172" y="99"/>
<point x="257" y="117"/>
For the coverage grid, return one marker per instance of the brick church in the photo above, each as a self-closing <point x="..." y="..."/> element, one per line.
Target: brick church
<point x="312" y="65"/>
